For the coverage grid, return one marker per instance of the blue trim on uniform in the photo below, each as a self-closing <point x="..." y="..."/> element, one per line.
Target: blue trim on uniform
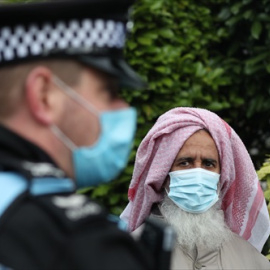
<point x="42" y="186"/>
<point x="12" y="185"/>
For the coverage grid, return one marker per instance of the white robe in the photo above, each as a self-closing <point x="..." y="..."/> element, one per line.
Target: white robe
<point x="235" y="254"/>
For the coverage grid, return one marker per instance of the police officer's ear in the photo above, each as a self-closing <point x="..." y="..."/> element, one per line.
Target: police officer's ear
<point x="41" y="95"/>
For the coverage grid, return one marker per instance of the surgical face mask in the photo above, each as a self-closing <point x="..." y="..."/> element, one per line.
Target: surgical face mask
<point x="102" y="162"/>
<point x="194" y="190"/>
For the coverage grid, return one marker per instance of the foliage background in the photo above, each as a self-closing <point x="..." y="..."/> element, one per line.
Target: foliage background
<point x="211" y="54"/>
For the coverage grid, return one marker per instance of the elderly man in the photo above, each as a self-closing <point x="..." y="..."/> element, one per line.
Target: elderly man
<point x="193" y="170"/>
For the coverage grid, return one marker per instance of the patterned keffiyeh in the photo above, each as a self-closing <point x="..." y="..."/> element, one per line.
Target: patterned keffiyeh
<point x="242" y="198"/>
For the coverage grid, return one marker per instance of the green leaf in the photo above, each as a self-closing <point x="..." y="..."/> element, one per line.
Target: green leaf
<point x="162" y="69"/>
<point x="267" y="195"/>
<point x="114" y="199"/>
<point x="168" y="82"/>
<point x="166" y="33"/>
<point x="236" y="8"/>
<point x="256" y="29"/>
<point x="224" y="14"/>
<point x="85" y="190"/>
<point x="200" y="70"/>
<point x="101" y="191"/>
<point x="265" y="170"/>
<point x="267" y="68"/>
<point x="248" y="14"/>
<point x="132" y="45"/>
<point x="157" y="4"/>
<point x="145" y="40"/>
<point x="215" y="106"/>
<point x="216" y="73"/>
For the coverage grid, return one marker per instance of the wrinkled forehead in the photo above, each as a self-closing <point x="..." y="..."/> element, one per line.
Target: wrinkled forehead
<point x="200" y="138"/>
<point x="200" y="144"/>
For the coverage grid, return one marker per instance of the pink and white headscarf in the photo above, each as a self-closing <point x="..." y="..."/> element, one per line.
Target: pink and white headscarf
<point x="242" y="198"/>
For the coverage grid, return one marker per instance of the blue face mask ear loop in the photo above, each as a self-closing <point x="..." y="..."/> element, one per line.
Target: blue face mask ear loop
<point x="218" y="189"/>
<point x="76" y="97"/>
<point x="63" y="138"/>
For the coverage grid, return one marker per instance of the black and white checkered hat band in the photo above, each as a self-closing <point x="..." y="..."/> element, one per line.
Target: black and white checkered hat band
<point x="21" y="42"/>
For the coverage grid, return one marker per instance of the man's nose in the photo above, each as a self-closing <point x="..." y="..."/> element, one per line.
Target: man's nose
<point x="197" y="164"/>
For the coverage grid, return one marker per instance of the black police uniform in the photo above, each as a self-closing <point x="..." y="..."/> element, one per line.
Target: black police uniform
<point x="43" y="223"/>
<point x="56" y="229"/>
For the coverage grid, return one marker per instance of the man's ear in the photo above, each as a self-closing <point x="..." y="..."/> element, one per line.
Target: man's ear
<point x="38" y="88"/>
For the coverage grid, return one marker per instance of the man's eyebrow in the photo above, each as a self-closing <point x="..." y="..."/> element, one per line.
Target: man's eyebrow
<point x="184" y="159"/>
<point x="191" y="158"/>
<point x="210" y="160"/>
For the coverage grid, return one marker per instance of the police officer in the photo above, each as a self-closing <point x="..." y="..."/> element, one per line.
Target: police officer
<point x="63" y="126"/>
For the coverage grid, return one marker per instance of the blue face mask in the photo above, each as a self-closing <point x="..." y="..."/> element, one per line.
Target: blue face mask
<point x="102" y="162"/>
<point x="194" y="190"/>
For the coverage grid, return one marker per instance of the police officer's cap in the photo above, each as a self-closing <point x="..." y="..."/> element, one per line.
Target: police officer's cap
<point x="90" y="31"/>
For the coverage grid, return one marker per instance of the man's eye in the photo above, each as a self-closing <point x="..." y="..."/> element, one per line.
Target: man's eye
<point x="209" y="164"/>
<point x="184" y="163"/>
